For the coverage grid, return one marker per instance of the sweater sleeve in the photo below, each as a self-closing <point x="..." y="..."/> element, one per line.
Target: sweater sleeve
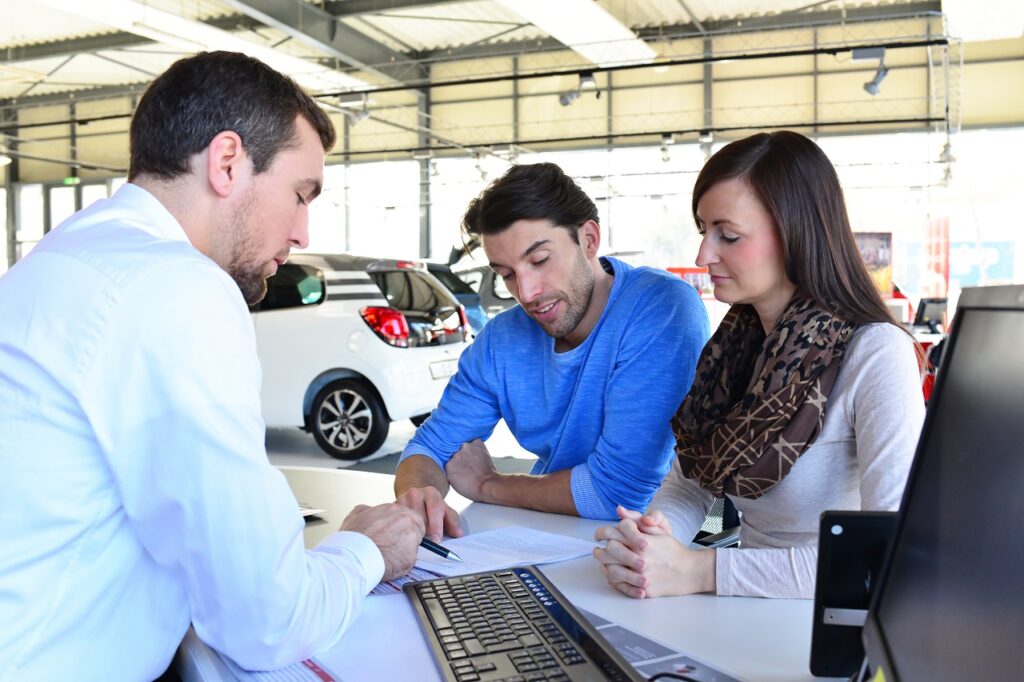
<point x="886" y="407"/>
<point x="683" y="502"/>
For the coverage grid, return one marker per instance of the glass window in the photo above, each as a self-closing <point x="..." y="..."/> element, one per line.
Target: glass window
<point x="30" y="213"/>
<point x="62" y="205"/>
<point x="93" y="193"/>
<point x="294" y="286"/>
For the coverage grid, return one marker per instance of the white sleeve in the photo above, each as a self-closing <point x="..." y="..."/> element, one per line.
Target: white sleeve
<point x="888" y="412"/>
<point x="683" y="502"/>
<point x="184" y="439"/>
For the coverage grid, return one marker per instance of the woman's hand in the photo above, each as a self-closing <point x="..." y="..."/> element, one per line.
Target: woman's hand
<point x="642" y="560"/>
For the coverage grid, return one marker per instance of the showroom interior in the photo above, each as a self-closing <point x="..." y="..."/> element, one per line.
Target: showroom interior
<point x="919" y="105"/>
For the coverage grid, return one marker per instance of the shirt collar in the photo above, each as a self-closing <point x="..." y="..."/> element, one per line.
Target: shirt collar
<point x="159" y="222"/>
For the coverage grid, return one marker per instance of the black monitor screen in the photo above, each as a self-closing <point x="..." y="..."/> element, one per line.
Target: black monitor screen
<point x="951" y="605"/>
<point x="930" y="312"/>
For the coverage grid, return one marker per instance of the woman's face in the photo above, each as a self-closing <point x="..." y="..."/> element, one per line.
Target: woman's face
<point x="742" y="251"/>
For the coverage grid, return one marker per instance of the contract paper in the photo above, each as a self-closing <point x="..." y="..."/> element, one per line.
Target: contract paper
<point x="495" y="549"/>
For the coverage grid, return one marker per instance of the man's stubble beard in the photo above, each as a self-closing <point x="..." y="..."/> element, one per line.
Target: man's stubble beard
<point x="245" y="242"/>
<point x="577" y="299"/>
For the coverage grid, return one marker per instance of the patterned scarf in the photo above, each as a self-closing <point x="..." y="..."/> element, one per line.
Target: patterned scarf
<point x="740" y="433"/>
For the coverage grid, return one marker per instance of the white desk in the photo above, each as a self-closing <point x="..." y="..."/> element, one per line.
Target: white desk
<point x="752" y="639"/>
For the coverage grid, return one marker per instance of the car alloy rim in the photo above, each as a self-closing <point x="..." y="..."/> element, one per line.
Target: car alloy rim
<point x="344" y="419"/>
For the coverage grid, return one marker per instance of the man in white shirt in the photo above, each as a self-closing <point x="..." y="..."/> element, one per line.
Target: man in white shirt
<point x="136" y="493"/>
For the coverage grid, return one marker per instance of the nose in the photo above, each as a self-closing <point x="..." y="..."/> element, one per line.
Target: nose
<point x="529" y="286"/>
<point x="299" y="237"/>
<point x="706" y="254"/>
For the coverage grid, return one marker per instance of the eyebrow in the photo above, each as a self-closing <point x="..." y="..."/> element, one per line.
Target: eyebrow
<point x="530" y="249"/>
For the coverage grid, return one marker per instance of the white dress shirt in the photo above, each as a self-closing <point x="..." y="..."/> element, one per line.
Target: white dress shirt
<point x="135" y="492"/>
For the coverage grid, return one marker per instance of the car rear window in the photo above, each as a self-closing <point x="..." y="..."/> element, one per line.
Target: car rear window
<point x="452" y="281"/>
<point x="430" y="309"/>
<point x="293" y="286"/>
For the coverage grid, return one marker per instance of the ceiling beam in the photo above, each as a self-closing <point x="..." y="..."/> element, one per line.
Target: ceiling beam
<point x="323" y="31"/>
<point x="114" y="40"/>
<point x="351" y="8"/>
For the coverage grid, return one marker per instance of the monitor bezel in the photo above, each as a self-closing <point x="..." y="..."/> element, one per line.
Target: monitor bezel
<point x="1004" y="297"/>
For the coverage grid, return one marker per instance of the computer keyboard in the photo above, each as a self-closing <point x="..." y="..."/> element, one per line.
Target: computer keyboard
<point x="511" y="625"/>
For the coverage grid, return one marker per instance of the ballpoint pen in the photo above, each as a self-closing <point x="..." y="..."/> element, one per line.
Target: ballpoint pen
<point x="438" y="549"/>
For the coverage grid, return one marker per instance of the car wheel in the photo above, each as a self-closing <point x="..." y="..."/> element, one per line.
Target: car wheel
<point x="418" y="419"/>
<point x="348" y="420"/>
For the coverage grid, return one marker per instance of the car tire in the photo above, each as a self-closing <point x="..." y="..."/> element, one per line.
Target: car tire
<point x="417" y="420"/>
<point x="348" y="420"/>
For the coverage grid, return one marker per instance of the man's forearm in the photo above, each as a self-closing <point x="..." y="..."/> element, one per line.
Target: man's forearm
<point x="548" y="492"/>
<point x="419" y="471"/>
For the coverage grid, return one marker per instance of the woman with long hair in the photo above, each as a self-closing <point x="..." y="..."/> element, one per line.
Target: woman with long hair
<point x="806" y="398"/>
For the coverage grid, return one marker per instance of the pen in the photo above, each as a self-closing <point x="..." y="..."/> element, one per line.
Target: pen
<point x="438" y="549"/>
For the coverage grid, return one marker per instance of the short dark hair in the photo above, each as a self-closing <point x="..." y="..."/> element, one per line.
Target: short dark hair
<point x="538" y="191"/>
<point x="201" y="96"/>
<point x="798" y="186"/>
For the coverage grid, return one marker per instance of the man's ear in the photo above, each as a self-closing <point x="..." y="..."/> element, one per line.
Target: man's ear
<point x="590" y="237"/>
<point x="226" y="162"/>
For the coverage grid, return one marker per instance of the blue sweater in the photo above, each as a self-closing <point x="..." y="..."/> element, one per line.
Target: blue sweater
<point x="601" y="409"/>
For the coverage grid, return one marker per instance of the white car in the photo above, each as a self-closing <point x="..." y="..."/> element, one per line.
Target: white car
<point x="349" y="344"/>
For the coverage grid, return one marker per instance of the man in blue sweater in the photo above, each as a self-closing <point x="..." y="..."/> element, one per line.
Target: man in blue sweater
<point x="586" y="371"/>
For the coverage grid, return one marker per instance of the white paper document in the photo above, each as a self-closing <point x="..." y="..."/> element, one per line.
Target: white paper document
<point x="495" y="549"/>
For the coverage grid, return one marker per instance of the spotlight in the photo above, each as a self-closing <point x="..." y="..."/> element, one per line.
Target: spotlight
<point x="664" y="153"/>
<point x="871" y="87"/>
<point x="946" y="156"/>
<point x="667" y="138"/>
<point x="5" y="160"/>
<point x="587" y="81"/>
<point x="356" y="115"/>
<point x="568" y="97"/>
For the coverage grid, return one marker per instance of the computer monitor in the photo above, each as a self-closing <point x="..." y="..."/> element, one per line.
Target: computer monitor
<point x="949" y="603"/>
<point x="930" y="313"/>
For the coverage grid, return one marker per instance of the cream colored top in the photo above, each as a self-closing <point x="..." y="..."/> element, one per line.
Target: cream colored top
<point x="860" y="460"/>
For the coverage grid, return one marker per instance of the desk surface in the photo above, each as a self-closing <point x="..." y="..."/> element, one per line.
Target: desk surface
<point x="752" y="639"/>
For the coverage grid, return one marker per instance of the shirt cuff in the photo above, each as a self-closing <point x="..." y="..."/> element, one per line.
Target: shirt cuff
<point x="412" y="450"/>
<point x="588" y="502"/>
<point x="362" y="548"/>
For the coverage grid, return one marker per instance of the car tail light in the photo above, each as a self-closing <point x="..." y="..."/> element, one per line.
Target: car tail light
<point x="389" y="324"/>
<point x="464" y="321"/>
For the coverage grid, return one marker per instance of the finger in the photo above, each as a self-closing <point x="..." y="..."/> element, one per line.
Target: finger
<point x="616" y="552"/>
<point x="608" y="533"/>
<point x="631" y="535"/>
<point x="655" y="519"/>
<point x="451" y="522"/>
<point x="435" y="509"/>
<point x="621" y="574"/>
<point x="627" y="513"/>
<point x="630" y="590"/>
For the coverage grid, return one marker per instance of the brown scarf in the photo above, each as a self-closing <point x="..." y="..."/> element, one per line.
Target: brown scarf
<point x="740" y="433"/>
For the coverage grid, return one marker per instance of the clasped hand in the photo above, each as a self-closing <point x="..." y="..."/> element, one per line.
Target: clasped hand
<point x="642" y="560"/>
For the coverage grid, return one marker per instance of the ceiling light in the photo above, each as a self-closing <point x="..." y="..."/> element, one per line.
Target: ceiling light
<point x="667" y="138"/>
<point x="171" y="29"/>
<point x="859" y="53"/>
<point x="872" y="86"/>
<point x="946" y="156"/>
<point x="356" y="115"/>
<point x="351" y="99"/>
<point x="587" y="28"/>
<point x="568" y="97"/>
<point x="5" y="160"/>
<point x="587" y="81"/>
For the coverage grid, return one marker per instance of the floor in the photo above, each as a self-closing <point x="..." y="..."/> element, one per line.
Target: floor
<point x="294" y="447"/>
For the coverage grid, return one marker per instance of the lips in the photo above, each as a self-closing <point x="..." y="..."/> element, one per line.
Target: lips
<point x="546" y="312"/>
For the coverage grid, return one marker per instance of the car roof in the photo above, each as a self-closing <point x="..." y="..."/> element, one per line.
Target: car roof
<point x="344" y="261"/>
